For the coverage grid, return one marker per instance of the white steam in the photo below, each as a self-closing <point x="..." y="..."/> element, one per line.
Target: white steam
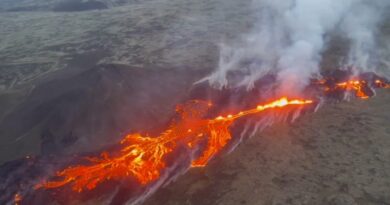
<point x="361" y="26"/>
<point x="290" y="38"/>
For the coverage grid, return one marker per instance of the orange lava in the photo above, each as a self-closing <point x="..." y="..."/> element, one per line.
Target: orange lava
<point x="17" y="199"/>
<point x="356" y="86"/>
<point x="381" y="84"/>
<point x="144" y="157"/>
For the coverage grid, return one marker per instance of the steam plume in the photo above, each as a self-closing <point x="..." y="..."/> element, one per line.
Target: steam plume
<point x="290" y="37"/>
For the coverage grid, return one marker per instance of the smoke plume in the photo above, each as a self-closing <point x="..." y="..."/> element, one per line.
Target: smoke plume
<point x="290" y="37"/>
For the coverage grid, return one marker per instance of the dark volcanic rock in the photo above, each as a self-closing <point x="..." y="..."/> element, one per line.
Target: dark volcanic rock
<point x="97" y="106"/>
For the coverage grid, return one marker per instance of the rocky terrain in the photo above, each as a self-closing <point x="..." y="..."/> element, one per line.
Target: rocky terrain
<point x="58" y="57"/>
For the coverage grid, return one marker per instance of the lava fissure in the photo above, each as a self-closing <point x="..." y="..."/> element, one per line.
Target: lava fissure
<point x="143" y="157"/>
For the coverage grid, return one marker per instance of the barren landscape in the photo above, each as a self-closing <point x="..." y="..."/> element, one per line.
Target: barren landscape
<point x="72" y="78"/>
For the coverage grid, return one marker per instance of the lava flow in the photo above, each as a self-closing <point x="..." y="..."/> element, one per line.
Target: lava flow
<point x="361" y="88"/>
<point x="144" y="157"/>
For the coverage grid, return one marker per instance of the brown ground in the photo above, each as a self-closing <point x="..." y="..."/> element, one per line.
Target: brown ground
<point x="337" y="156"/>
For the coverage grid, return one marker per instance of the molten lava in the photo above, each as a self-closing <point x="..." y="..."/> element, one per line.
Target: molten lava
<point x="144" y="157"/>
<point x="17" y="199"/>
<point x="354" y="85"/>
<point x="381" y="84"/>
<point x="359" y="87"/>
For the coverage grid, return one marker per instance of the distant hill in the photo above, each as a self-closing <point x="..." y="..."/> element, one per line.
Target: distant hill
<point x="59" y="5"/>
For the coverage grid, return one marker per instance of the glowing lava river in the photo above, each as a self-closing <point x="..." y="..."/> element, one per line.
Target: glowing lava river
<point x="143" y="157"/>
